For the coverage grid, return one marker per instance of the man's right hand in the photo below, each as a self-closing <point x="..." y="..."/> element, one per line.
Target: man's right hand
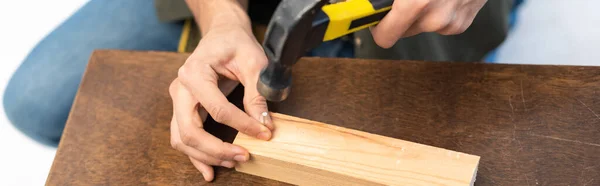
<point x="227" y="54"/>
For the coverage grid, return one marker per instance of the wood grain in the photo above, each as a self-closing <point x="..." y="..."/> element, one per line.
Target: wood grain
<point x="301" y="150"/>
<point x="531" y="124"/>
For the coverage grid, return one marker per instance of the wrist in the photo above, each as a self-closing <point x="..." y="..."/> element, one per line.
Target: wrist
<point x="219" y="14"/>
<point x="233" y="19"/>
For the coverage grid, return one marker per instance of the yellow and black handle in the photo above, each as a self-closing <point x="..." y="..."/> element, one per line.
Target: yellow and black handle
<point x="353" y="15"/>
<point x="300" y="25"/>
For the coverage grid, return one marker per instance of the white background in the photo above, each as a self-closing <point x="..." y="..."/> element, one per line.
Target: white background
<point x="22" y="24"/>
<point x="548" y="32"/>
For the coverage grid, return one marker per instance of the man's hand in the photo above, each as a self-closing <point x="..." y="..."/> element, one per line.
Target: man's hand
<point x="226" y="54"/>
<point x="411" y="17"/>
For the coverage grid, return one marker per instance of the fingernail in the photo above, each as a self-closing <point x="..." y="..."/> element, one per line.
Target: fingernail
<point x="265" y="135"/>
<point x="228" y="164"/>
<point x="240" y="158"/>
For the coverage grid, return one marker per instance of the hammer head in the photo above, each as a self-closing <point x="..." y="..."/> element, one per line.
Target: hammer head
<point x="289" y="36"/>
<point x="275" y="81"/>
<point x="272" y="93"/>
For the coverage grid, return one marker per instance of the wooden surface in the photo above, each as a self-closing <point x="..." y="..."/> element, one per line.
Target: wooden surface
<point x="530" y="124"/>
<point x="305" y="152"/>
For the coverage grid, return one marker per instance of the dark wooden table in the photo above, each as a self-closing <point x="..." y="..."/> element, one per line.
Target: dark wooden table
<point x="531" y="125"/>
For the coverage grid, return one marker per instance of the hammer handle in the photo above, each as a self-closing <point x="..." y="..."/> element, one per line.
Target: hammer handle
<point x="350" y="16"/>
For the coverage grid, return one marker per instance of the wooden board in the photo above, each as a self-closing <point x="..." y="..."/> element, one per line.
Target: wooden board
<point x="531" y="124"/>
<point x="304" y="152"/>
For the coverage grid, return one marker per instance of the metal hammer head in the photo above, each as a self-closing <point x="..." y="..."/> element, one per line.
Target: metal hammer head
<point x="272" y="93"/>
<point x="275" y="81"/>
<point x="289" y="35"/>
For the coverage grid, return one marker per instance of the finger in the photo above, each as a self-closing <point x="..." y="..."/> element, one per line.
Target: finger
<point x="397" y="21"/>
<point x="204" y="158"/>
<point x="203" y="85"/>
<point x="412" y="31"/>
<point x="254" y="103"/>
<point x="226" y="86"/>
<point x="194" y="153"/>
<point x="435" y="18"/>
<point x="207" y="171"/>
<point x="203" y="141"/>
<point x="192" y="135"/>
<point x="256" y="106"/>
<point x="457" y="26"/>
<point x="463" y="20"/>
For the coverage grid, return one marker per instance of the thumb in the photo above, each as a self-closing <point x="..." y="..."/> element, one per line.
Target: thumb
<point x="254" y="103"/>
<point x="256" y="106"/>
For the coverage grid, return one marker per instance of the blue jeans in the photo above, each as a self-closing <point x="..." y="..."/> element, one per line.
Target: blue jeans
<point x="40" y="93"/>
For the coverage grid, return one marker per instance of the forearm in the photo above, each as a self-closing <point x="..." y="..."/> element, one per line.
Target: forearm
<point x="217" y="13"/>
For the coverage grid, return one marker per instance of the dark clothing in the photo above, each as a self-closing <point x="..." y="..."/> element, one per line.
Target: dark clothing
<point x="488" y="31"/>
<point x="260" y="11"/>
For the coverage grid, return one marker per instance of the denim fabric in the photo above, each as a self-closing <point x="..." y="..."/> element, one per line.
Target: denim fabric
<point x="341" y="47"/>
<point x="39" y="95"/>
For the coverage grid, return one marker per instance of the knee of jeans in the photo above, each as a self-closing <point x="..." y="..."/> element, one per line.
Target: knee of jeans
<point x="33" y="113"/>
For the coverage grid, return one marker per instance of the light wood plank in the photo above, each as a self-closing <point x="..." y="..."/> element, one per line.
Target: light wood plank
<point x="305" y="152"/>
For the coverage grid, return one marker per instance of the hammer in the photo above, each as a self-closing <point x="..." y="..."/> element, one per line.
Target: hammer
<point x="300" y="25"/>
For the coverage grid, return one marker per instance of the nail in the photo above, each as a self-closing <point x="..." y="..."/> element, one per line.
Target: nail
<point x="265" y="119"/>
<point x="240" y="158"/>
<point x="262" y="117"/>
<point x="228" y="164"/>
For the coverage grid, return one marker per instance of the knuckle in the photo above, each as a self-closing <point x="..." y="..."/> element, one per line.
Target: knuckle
<point x="456" y="28"/>
<point x="257" y="100"/>
<point x="206" y="72"/>
<point x="220" y="114"/>
<point x="220" y="155"/>
<point x="461" y="29"/>
<point x="182" y="72"/>
<point x="259" y="60"/>
<point x="464" y="26"/>
<point x="209" y="161"/>
<point x="435" y="24"/>
<point x="187" y="70"/>
<point x="246" y="129"/>
<point x="173" y="88"/>
<point x="175" y="143"/>
<point x="188" y="139"/>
